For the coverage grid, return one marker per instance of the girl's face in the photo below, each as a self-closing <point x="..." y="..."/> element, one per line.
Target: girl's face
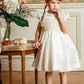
<point x="53" y="5"/>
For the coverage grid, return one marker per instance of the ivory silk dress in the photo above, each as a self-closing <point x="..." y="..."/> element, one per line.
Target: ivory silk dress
<point x="57" y="51"/>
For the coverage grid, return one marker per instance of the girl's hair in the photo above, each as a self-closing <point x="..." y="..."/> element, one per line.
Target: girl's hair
<point x="45" y="9"/>
<point x="43" y="13"/>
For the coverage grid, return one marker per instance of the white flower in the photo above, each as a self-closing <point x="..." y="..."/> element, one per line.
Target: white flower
<point x="18" y="6"/>
<point x="11" y="5"/>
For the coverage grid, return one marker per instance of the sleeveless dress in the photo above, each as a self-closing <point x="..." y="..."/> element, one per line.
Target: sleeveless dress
<point x="57" y="52"/>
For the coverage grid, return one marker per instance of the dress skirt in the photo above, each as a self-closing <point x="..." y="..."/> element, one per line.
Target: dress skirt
<point x="57" y="52"/>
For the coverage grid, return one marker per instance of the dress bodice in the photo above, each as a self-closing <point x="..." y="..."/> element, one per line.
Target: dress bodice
<point x="50" y="22"/>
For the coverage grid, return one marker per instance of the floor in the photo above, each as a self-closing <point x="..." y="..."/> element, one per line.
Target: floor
<point x="73" y="78"/>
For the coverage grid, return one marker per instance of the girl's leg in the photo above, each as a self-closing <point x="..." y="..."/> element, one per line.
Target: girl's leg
<point x="48" y="77"/>
<point x="63" y="77"/>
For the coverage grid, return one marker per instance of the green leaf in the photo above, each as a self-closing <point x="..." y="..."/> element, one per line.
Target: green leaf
<point x="0" y="14"/>
<point x="20" y="21"/>
<point x="8" y="17"/>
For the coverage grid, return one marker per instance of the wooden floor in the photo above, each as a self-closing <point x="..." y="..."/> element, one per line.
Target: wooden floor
<point x="73" y="78"/>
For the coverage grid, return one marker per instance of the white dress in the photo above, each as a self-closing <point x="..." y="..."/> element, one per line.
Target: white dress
<point x="57" y="51"/>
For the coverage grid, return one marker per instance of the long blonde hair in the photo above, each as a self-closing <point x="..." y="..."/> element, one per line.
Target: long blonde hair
<point x="43" y="13"/>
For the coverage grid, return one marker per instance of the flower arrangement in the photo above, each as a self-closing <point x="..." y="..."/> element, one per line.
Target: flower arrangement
<point x="13" y="11"/>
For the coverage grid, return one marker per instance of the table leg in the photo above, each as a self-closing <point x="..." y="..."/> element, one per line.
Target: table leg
<point x="0" y="73"/>
<point x="36" y="76"/>
<point x="36" y="71"/>
<point x="10" y="69"/>
<point x="23" y="66"/>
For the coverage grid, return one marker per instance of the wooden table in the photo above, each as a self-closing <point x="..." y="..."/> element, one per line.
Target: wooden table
<point x="19" y="50"/>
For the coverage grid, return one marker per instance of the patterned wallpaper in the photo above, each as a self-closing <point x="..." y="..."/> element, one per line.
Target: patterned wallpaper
<point x="65" y="1"/>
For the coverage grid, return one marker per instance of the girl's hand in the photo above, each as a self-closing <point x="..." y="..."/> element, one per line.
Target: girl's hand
<point x="58" y="14"/>
<point x="36" y="44"/>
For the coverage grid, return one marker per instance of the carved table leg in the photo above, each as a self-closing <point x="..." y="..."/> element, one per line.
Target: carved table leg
<point x="23" y="66"/>
<point x="10" y="69"/>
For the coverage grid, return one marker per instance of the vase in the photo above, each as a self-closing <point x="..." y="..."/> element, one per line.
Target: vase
<point x="7" y="33"/>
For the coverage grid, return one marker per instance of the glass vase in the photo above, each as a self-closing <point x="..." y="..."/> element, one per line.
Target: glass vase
<point x="7" y="33"/>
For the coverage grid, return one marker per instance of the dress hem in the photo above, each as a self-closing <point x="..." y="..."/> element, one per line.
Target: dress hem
<point x="58" y="70"/>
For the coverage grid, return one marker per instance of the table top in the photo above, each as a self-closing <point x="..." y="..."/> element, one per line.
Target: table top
<point x="18" y="47"/>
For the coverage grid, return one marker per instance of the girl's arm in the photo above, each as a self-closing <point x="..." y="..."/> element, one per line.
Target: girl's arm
<point x="38" y="31"/>
<point x="63" y="24"/>
<point x="37" y="35"/>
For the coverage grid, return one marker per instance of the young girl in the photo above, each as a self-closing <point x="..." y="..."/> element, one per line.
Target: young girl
<point x="56" y="51"/>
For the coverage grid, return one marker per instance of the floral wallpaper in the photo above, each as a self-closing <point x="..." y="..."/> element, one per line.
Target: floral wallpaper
<point x="65" y="1"/>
